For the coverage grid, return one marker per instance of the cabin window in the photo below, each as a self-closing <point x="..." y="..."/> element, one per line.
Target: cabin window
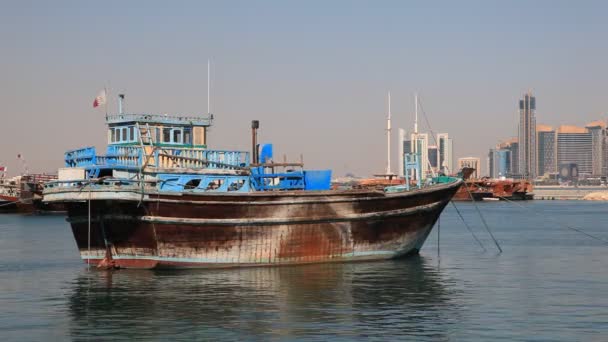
<point x="187" y="136"/>
<point x="192" y="184"/>
<point x="177" y="136"/>
<point x="113" y="134"/>
<point x="215" y="184"/>
<point x="157" y="135"/>
<point x="236" y="185"/>
<point x="117" y="134"/>
<point x="124" y="134"/>
<point x="131" y="133"/>
<point x="166" y="135"/>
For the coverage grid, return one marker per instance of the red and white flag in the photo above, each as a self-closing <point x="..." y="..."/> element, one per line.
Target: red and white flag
<point x="2" y="169"/>
<point x="100" y="99"/>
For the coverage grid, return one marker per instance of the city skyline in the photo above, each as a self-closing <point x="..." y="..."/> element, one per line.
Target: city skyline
<point x="584" y="148"/>
<point x="315" y="75"/>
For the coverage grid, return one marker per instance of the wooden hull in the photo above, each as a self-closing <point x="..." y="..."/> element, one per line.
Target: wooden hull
<point x="255" y="229"/>
<point x="8" y="203"/>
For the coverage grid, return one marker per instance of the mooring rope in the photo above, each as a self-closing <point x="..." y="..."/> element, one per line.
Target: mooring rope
<point x="426" y="119"/>
<point x="559" y="224"/>
<point x="438" y="239"/>
<point x="89" y="232"/>
<point x="468" y="227"/>
<point x="11" y="203"/>
<point x="485" y="224"/>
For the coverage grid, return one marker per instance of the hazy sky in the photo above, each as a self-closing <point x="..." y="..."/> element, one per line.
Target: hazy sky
<point x="315" y="74"/>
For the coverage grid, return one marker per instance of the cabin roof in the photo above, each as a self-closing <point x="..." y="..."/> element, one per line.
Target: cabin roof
<point x="164" y="119"/>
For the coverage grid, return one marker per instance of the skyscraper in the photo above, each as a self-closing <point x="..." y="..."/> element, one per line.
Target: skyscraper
<point x="575" y="146"/>
<point x="597" y="129"/>
<point x="491" y="163"/>
<point x="499" y="162"/>
<point x="527" y="136"/>
<point x="547" y="150"/>
<point x="420" y="145"/>
<point x="446" y="161"/>
<point x="405" y="146"/>
<point x="502" y="159"/>
<point x="433" y="158"/>
<point x="514" y="169"/>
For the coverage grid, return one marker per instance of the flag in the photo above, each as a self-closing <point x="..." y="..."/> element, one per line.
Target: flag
<point x="2" y="168"/>
<point x="100" y="99"/>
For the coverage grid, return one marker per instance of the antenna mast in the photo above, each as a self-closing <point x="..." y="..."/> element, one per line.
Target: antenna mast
<point x="416" y="111"/>
<point x="208" y="86"/>
<point x="388" y="137"/>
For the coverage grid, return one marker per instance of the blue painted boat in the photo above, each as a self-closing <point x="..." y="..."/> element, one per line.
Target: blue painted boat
<point x="159" y="197"/>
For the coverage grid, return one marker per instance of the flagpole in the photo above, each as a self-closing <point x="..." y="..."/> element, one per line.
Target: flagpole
<point x="208" y="86"/>
<point x="105" y="91"/>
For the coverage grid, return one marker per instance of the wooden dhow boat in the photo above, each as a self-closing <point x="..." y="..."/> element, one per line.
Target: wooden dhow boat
<point x="160" y="198"/>
<point x="9" y="192"/>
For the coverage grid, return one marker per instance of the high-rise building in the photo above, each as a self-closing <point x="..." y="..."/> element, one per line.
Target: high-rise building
<point x="605" y="154"/>
<point x="499" y="161"/>
<point x="514" y="148"/>
<point x="574" y="146"/>
<point x="510" y="157"/>
<point x="547" y="150"/>
<point x="405" y="146"/>
<point x="444" y="146"/>
<point x="472" y="162"/>
<point x="527" y="136"/>
<point x="597" y="129"/>
<point x="420" y="145"/>
<point x="491" y="165"/>
<point x="502" y="160"/>
<point x="433" y="158"/>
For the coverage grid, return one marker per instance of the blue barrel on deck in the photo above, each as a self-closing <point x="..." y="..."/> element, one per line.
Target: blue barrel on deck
<point x="317" y="179"/>
<point x="266" y="153"/>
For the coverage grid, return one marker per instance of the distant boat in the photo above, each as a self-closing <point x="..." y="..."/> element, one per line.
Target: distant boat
<point x="31" y="187"/>
<point x="9" y="193"/>
<point x="160" y="198"/>
<point x="23" y="194"/>
<point x="483" y="189"/>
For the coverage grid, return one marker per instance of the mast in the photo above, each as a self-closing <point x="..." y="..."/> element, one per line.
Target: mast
<point x="208" y="86"/>
<point x="416" y="111"/>
<point x="415" y="147"/>
<point x="388" y="137"/>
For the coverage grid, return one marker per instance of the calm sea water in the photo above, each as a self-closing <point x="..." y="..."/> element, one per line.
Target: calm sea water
<point x="550" y="284"/>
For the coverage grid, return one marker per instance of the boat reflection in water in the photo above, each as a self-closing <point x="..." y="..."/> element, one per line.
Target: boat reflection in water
<point x="407" y="297"/>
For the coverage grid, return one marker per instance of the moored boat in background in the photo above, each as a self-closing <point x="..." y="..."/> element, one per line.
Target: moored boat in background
<point x="474" y="189"/>
<point x="9" y="191"/>
<point x="30" y="201"/>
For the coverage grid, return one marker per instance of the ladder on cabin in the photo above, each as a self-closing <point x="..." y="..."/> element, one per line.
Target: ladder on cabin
<point x="145" y="135"/>
<point x="145" y="139"/>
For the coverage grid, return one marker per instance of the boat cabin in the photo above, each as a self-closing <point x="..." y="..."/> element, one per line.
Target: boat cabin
<point x="158" y="130"/>
<point x="169" y="153"/>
